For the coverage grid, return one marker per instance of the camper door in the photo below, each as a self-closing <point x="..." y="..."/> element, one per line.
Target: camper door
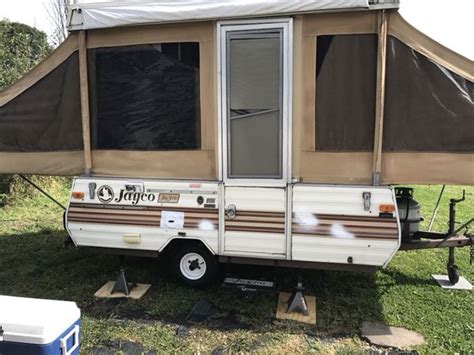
<point x="254" y="63"/>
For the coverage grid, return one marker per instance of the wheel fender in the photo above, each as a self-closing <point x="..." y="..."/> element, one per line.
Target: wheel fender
<point x="165" y="245"/>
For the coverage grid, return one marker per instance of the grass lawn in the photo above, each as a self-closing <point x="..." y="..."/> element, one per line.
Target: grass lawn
<point x="33" y="263"/>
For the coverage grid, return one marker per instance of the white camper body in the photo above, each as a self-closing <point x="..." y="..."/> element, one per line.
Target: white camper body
<point x="298" y="222"/>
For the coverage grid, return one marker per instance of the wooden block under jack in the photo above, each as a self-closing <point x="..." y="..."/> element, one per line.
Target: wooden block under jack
<point x="136" y="293"/>
<point x="296" y="316"/>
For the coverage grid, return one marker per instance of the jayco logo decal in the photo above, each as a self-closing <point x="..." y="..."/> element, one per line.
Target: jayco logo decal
<point x="105" y="194"/>
<point x="134" y="197"/>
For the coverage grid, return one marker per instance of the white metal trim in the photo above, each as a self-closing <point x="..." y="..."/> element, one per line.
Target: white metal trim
<point x="66" y="213"/>
<point x="289" y="222"/>
<point x="399" y="241"/>
<point x="256" y="255"/>
<point x="221" y="234"/>
<point x="289" y="149"/>
<point x="219" y="104"/>
<point x="135" y="179"/>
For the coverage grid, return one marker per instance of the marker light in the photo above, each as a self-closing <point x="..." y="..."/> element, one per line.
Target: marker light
<point x="77" y="195"/>
<point x="387" y="208"/>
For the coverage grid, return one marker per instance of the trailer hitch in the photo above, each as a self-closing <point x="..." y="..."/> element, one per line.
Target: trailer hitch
<point x="451" y="239"/>
<point x="452" y="268"/>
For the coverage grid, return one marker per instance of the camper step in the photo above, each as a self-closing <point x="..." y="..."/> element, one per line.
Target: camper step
<point x="249" y="285"/>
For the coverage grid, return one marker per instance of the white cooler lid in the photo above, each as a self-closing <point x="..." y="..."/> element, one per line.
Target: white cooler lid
<point x="35" y="321"/>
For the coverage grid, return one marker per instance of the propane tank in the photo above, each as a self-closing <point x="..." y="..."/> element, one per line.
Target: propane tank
<point x="408" y="212"/>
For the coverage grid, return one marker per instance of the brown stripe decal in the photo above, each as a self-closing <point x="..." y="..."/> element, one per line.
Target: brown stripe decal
<point x="139" y="216"/>
<point x="141" y="208"/>
<point x="257" y="222"/>
<point x="339" y="226"/>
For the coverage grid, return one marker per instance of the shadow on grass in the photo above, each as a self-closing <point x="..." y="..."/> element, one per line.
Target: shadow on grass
<point x="401" y="279"/>
<point x="37" y="265"/>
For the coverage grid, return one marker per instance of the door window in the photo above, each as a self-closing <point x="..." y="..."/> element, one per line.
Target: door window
<point x="254" y="97"/>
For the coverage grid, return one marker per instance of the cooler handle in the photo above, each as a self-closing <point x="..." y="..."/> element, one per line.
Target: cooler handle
<point x="63" y="341"/>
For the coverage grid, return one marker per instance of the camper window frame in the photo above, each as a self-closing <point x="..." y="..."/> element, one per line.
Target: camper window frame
<point x="223" y="27"/>
<point x="91" y="55"/>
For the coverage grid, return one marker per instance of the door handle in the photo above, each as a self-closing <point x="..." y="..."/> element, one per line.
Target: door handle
<point x="231" y="211"/>
<point x="366" y="197"/>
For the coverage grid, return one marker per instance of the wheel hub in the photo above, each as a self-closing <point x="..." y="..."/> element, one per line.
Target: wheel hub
<point x="193" y="266"/>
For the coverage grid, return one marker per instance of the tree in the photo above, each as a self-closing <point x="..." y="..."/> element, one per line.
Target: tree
<point x="21" y="48"/>
<point x="58" y="14"/>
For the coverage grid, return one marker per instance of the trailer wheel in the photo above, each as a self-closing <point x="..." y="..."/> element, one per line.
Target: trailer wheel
<point x="453" y="274"/>
<point x="195" y="266"/>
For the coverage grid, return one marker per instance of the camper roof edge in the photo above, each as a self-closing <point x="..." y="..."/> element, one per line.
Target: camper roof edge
<point x="95" y="14"/>
<point x="384" y="4"/>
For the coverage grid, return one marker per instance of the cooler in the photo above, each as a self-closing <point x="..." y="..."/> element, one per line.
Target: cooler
<point x="36" y="326"/>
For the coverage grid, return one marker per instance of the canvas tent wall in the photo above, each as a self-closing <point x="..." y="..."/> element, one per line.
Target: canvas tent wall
<point x="337" y="137"/>
<point x="406" y="113"/>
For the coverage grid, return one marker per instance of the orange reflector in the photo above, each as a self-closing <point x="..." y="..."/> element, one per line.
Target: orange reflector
<point x="387" y="208"/>
<point x="77" y="194"/>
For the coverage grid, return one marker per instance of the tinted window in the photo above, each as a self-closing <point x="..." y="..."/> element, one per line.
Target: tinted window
<point x="254" y="104"/>
<point x="145" y="97"/>
<point x="427" y="107"/>
<point x="47" y="116"/>
<point x="345" y="92"/>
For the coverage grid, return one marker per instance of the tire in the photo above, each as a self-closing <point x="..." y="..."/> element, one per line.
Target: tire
<point x="195" y="266"/>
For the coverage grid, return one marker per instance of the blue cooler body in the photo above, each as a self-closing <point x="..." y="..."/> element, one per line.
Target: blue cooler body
<point x="35" y="326"/>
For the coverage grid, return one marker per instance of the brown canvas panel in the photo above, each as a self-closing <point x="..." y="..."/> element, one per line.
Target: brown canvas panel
<point x="313" y="164"/>
<point x="198" y="164"/>
<point x="85" y="116"/>
<point x="436" y="52"/>
<point x="208" y="93"/>
<point x="427" y="107"/>
<point x="336" y="168"/>
<point x="398" y="167"/>
<point x="380" y="95"/>
<point x="345" y="96"/>
<point x="340" y="23"/>
<point x="47" y="115"/>
<point x="297" y="92"/>
<point x="308" y="88"/>
<point x="59" y="55"/>
<point x="349" y="168"/>
<point x="428" y="168"/>
<point x="43" y="163"/>
<point x="125" y="36"/>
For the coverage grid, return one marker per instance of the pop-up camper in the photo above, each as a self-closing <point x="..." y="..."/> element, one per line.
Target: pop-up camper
<point x="266" y="132"/>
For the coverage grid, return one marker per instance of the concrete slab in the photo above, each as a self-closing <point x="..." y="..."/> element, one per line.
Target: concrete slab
<point x="394" y="337"/>
<point x="443" y="281"/>
<point x="136" y="293"/>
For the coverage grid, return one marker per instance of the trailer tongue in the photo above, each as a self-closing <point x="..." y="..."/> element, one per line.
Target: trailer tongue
<point x="414" y="239"/>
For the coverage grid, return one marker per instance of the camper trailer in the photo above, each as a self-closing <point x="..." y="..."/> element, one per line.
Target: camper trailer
<point x="258" y="132"/>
